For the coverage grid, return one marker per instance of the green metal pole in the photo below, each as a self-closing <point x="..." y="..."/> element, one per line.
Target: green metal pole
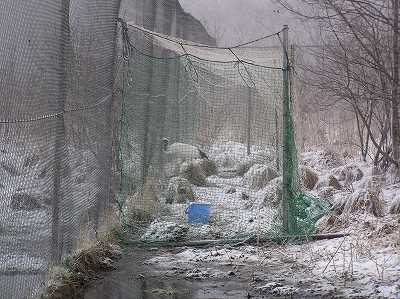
<point x="287" y="150"/>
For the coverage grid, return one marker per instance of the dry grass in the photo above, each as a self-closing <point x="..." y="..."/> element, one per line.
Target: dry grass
<point x="109" y="231"/>
<point x="72" y="278"/>
<point x="95" y="253"/>
<point x="361" y="202"/>
<point x="141" y="207"/>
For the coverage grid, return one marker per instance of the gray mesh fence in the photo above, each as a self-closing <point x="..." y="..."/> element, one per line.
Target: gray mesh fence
<point x="56" y="90"/>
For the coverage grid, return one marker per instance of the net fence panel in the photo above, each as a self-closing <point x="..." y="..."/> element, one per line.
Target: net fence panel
<point x="203" y="125"/>
<point x="56" y="88"/>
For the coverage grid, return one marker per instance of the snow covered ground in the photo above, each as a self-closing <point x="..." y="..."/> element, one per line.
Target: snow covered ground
<point x="26" y="212"/>
<point x="365" y="264"/>
<point x="236" y="210"/>
<point x="340" y="268"/>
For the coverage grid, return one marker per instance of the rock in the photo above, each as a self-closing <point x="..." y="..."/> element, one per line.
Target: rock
<point x="326" y="193"/>
<point x="322" y="160"/>
<point x="179" y="191"/>
<point x="9" y="168"/>
<point x="31" y="161"/>
<point x="259" y="176"/>
<point x="272" y="193"/>
<point x="25" y="202"/>
<point x="350" y="174"/>
<point x="193" y="172"/>
<point x="43" y="172"/>
<point x="231" y="190"/>
<point x="226" y="161"/>
<point x="395" y="206"/>
<point x="334" y="183"/>
<point x="165" y="232"/>
<point x="243" y="166"/>
<point x="209" y="167"/>
<point x="309" y="178"/>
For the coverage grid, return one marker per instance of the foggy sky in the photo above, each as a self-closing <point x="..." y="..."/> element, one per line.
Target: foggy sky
<point x="240" y="20"/>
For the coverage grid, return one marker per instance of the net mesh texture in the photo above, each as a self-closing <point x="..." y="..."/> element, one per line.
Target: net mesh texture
<point x="56" y="89"/>
<point x="197" y="124"/>
<point x="207" y="147"/>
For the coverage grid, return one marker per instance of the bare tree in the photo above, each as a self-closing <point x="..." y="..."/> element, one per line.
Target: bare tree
<point x="357" y="63"/>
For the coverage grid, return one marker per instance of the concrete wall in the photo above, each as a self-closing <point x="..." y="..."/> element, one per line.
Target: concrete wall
<point x="167" y="17"/>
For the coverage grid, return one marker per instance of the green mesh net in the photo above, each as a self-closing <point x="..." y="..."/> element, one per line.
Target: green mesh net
<point x="207" y="145"/>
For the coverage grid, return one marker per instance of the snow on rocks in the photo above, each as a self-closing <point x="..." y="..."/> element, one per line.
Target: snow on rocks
<point x="309" y="177"/>
<point x="395" y="205"/>
<point x="165" y="232"/>
<point x="350" y="173"/>
<point x="196" y="171"/>
<point x="179" y="191"/>
<point x="259" y="176"/>
<point x="233" y="156"/>
<point x="26" y="202"/>
<point x="322" y="160"/>
<point x="271" y="195"/>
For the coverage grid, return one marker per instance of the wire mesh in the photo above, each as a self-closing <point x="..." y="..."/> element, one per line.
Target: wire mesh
<point x="56" y="88"/>
<point x="203" y="126"/>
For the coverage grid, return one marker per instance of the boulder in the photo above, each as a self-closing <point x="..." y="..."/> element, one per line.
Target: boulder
<point x="334" y="183"/>
<point x="193" y="172"/>
<point x="309" y="177"/>
<point x="243" y="166"/>
<point x="322" y="160"/>
<point x="350" y="174"/>
<point x="259" y="176"/>
<point x="231" y="190"/>
<point x="272" y="193"/>
<point x="165" y="232"/>
<point x="209" y="167"/>
<point x="31" y="161"/>
<point x="179" y="191"/>
<point x="395" y="206"/>
<point x="233" y="157"/>
<point x="326" y="193"/>
<point x="25" y="202"/>
<point x="226" y="161"/>
<point x="9" y="168"/>
<point x="244" y="196"/>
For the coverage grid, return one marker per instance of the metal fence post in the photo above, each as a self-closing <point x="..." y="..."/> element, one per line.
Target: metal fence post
<point x="286" y="146"/>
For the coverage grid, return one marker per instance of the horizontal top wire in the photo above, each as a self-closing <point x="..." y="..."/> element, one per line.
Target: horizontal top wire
<point x="187" y="43"/>
<point x="265" y="57"/>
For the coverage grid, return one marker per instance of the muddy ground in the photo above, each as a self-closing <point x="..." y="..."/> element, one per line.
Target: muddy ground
<point x="318" y="269"/>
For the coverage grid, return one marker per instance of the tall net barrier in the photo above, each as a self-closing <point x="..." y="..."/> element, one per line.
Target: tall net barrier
<point x="207" y="145"/>
<point x="56" y="89"/>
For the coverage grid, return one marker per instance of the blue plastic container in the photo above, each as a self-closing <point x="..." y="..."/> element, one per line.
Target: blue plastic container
<point x="198" y="213"/>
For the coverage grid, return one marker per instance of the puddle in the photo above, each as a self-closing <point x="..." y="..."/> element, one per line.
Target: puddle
<point x="125" y="288"/>
<point x="134" y="279"/>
